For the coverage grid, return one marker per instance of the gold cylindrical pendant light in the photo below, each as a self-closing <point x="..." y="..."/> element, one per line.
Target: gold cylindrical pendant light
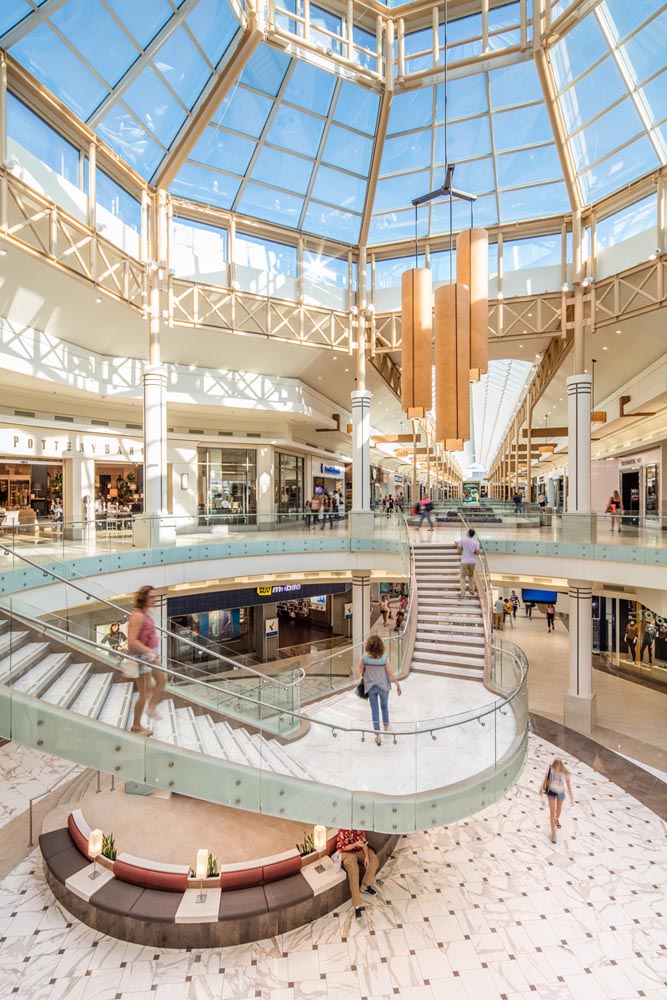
<point x="417" y="339"/>
<point x="452" y="362"/>
<point x="472" y="269"/>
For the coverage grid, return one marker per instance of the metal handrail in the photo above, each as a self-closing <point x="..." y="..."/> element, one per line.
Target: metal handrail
<point x="430" y="725"/>
<point x="172" y="635"/>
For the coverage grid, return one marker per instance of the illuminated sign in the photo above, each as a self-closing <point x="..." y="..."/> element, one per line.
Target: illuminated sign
<point x="283" y="588"/>
<point x="331" y="470"/>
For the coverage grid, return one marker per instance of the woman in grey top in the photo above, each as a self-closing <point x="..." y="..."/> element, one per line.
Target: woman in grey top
<point x="376" y="672"/>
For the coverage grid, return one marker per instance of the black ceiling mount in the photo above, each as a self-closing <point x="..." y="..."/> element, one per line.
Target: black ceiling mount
<point x="446" y="191"/>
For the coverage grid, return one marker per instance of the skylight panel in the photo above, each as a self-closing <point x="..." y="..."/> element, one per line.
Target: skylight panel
<point x="55" y="65"/>
<point x="265" y="70"/>
<point x="465" y="140"/>
<point x="348" y="150"/>
<point x="274" y="206"/>
<point x="390" y="226"/>
<point x="296" y="131"/>
<point x="592" y="94"/>
<point x="310" y="88"/>
<point x="655" y="97"/>
<point x="528" y="166"/>
<point x="397" y="192"/>
<point x="322" y="220"/>
<point x="623" y="166"/>
<point x="244" y="111"/>
<point x="413" y="149"/>
<point x="210" y="187"/>
<point x="518" y="81"/>
<point x="357" y="108"/>
<point x="220" y="149"/>
<point x="12" y="13"/>
<point x="645" y="51"/>
<point x="521" y="127"/>
<point x="485" y="213"/>
<point x="155" y="106"/>
<point x="533" y="202"/>
<point x="93" y="32"/>
<point x="466" y="98"/>
<point x="213" y="24"/>
<point x="142" y="20"/>
<point x="625" y="16"/>
<point x="122" y="132"/>
<point x="338" y="188"/>
<point x="283" y="170"/>
<point x="410" y="110"/>
<point x="577" y="51"/>
<point x="613" y="129"/>
<point x="183" y="67"/>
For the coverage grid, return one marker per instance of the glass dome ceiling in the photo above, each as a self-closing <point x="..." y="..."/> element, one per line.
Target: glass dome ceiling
<point x="339" y="149"/>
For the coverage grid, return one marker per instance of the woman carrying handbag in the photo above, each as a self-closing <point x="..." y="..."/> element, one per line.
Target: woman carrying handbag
<point x="376" y="676"/>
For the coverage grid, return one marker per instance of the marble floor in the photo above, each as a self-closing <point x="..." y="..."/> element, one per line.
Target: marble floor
<point x="485" y="909"/>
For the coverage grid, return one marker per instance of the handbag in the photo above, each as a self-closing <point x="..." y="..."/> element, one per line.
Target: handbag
<point x="129" y="668"/>
<point x="359" y="690"/>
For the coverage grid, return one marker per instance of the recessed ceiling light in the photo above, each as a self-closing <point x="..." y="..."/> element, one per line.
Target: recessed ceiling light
<point x="520" y="345"/>
<point x="3" y="251"/>
<point x="605" y="348"/>
<point x="618" y="331"/>
<point x="347" y="369"/>
<point x="98" y="300"/>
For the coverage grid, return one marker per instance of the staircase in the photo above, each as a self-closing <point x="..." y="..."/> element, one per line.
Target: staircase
<point x="87" y="688"/>
<point x="450" y="631"/>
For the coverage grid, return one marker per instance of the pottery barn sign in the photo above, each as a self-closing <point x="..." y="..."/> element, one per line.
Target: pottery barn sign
<point x="40" y="444"/>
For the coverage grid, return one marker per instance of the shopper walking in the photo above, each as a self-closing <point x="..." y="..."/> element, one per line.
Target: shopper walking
<point x="554" y="785"/>
<point x="551" y="617"/>
<point x="424" y="510"/>
<point x="143" y="641"/>
<point x="514" y="601"/>
<point x="498" y="613"/>
<point x="507" y="609"/>
<point x="385" y="608"/>
<point x="468" y="547"/>
<point x="377" y="676"/>
<point x="614" y="508"/>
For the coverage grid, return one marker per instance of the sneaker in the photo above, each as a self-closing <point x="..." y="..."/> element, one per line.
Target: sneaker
<point x="358" y="911"/>
<point x="369" y="890"/>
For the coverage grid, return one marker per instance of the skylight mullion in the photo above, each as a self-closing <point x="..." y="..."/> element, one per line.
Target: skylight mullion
<point x="37" y="16"/>
<point x="490" y="114"/>
<point x="320" y="150"/>
<point x="277" y="103"/>
<point x="619" y="58"/>
<point x="144" y="59"/>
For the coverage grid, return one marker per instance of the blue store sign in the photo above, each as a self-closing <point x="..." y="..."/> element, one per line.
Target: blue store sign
<point x="331" y="470"/>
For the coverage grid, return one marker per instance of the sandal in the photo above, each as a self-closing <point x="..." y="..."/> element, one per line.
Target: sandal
<point x="140" y="731"/>
<point x="558" y="824"/>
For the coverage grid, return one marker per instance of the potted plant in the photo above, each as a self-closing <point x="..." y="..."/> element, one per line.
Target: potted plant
<point x="307" y="849"/>
<point x="109" y="853"/>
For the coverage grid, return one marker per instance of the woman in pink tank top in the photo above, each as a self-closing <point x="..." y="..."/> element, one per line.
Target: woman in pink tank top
<point x="143" y="641"/>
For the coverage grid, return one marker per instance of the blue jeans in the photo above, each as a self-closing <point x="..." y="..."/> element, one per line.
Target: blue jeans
<point x="425" y="514"/>
<point x="379" y="699"/>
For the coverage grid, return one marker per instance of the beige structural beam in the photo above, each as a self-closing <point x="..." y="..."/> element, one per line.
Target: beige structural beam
<point x="225" y="77"/>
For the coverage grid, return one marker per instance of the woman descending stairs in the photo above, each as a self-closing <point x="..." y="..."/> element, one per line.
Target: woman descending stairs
<point x="450" y="630"/>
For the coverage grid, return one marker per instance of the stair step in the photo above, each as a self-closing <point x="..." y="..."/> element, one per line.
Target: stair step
<point x="211" y="741"/>
<point x="240" y="750"/>
<point x="64" y="690"/>
<point x="188" y="730"/>
<point x="465" y="673"/>
<point x="274" y="759"/>
<point x="165" y="729"/>
<point x="448" y="659"/>
<point x="12" y="640"/>
<point x="445" y="636"/>
<point x="4" y="625"/>
<point x="92" y="696"/>
<point x="16" y="663"/>
<point x="116" y="708"/>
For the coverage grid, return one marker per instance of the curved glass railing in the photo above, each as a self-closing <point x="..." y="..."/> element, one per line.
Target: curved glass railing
<point x="430" y="770"/>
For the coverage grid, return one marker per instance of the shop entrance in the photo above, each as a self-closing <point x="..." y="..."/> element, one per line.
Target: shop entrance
<point x="630" y="497"/>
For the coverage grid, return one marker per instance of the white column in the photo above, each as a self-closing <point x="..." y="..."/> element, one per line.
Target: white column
<point x="579" y="522"/>
<point x="265" y="486"/>
<point x="580" y="700"/>
<point x="79" y="498"/>
<point x="361" y="517"/>
<point x="151" y="529"/>
<point x="361" y="610"/>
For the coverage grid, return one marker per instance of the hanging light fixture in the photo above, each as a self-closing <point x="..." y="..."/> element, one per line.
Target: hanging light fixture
<point x="416" y="340"/>
<point x="461" y="308"/>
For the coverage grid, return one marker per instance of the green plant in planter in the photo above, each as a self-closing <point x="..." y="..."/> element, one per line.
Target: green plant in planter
<point x="212" y="867"/>
<point x="108" y="847"/>
<point x="308" y="845"/>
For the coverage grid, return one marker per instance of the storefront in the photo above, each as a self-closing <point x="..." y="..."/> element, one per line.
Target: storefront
<point x="235" y="623"/>
<point x="289" y="481"/>
<point x="327" y="478"/>
<point x="26" y="484"/>
<point x="227" y="482"/>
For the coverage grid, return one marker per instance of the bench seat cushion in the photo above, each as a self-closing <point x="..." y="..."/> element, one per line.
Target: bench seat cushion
<point x="55" y="842"/>
<point x="241" y="879"/>
<point x="79" y="838"/>
<point x="281" y="869"/>
<point x="287" y="892"/>
<point x="154" y="904"/>
<point x="239" y="904"/>
<point x="66" y="863"/>
<point x="116" y="896"/>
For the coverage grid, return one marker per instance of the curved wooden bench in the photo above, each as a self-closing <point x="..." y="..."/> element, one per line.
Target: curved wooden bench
<point x="139" y="900"/>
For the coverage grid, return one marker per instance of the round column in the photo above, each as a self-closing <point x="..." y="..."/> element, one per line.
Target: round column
<point x="155" y="439"/>
<point x="580" y="700"/>
<point x="579" y="523"/>
<point x="361" y="610"/>
<point x="361" y="517"/>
